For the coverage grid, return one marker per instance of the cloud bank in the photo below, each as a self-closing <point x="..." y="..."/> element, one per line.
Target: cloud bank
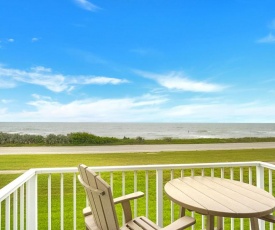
<point x="268" y="39"/>
<point x="178" y="81"/>
<point x="146" y="108"/>
<point x="45" y="77"/>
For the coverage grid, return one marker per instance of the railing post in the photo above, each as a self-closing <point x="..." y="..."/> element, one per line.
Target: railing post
<point x="31" y="203"/>
<point x="159" y="197"/>
<point x="260" y="184"/>
<point x="8" y="213"/>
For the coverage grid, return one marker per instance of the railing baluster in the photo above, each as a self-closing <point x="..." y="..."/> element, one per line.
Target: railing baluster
<point x="222" y="176"/>
<point x="241" y="174"/>
<point x="260" y="176"/>
<point x="31" y="203"/>
<point x="241" y="179"/>
<point x="74" y="200"/>
<point x="222" y="172"/>
<point x="62" y="201"/>
<point x="270" y="181"/>
<point x="159" y="194"/>
<point x="212" y="172"/>
<point x="15" y="205"/>
<point x="7" y="213"/>
<point x="123" y="183"/>
<point x="202" y="171"/>
<point x="171" y="202"/>
<point x="232" y="178"/>
<point x="112" y="181"/>
<point x="193" y="215"/>
<point x="250" y="175"/>
<point x="260" y="184"/>
<point x="270" y="177"/>
<point x="0" y="215"/>
<point x="22" y="206"/>
<point x="49" y="202"/>
<point x="192" y="172"/>
<point x="135" y="189"/>
<point x="147" y="193"/>
<point x="231" y="173"/>
<point x="123" y="192"/>
<point x="182" y="173"/>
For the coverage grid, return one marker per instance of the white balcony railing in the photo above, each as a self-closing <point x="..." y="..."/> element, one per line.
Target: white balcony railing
<point x="52" y="198"/>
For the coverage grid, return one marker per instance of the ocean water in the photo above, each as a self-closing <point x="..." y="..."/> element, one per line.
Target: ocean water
<point x="145" y="130"/>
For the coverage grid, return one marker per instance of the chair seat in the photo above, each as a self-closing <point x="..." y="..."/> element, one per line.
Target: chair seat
<point x="90" y="223"/>
<point x="140" y="223"/>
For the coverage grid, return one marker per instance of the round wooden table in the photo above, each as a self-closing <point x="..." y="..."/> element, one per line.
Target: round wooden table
<point x="220" y="197"/>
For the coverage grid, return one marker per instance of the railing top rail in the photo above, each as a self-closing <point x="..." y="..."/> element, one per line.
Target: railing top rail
<point x="268" y="165"/>
<point x="15" y="184"/>
<point x="150" y="167"/>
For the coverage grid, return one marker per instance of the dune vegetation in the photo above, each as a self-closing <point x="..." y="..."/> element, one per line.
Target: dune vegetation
<point x="83" y="138"/>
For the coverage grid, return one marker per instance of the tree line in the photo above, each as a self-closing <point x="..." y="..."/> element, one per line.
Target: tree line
<point x="83" y="138"/>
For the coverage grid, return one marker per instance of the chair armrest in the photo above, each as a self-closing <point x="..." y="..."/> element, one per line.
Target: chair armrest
<point x="87" y="211"/>
<point x="269" y="218"/>
<point x="125" y="202"/>
<point x="181" y="223"/>
<point x="128" y="197"/>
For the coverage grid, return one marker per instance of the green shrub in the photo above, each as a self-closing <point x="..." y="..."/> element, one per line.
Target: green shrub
<point x="82" y="138"/>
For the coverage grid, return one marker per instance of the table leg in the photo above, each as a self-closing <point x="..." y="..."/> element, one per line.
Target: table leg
<point x="254" y="224"/>
<point x="210" y="222"/>
<point x="182" y="211"/>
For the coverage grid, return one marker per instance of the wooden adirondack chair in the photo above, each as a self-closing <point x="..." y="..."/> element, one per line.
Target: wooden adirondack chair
<point x="101" y="214"/>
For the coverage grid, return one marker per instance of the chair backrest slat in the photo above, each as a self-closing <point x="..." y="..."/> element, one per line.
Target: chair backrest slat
<point x="102" y="204"/>
<point x="84" y="177"/>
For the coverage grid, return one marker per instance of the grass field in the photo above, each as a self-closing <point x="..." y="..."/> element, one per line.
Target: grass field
<point x="25" y="162"/>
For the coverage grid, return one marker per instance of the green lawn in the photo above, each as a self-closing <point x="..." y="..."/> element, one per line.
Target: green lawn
<point x="24" y="162"/>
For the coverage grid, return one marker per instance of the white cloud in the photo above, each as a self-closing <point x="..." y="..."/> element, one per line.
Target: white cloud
<point x="34" y="39"/>
<point x="177" y="81"/>
<point x="55" y="82"/>
<point x="146" y="108"/>
<point x="268" y="39"/>
<point x="10" y="40"/>
<point x="39" y="97"/>
<point x="41" y="69"/>
<point x="85" y="4"/>
<point x="3" y="111"/>
<point x="110" y="109"/>
<point x="272" y="25"/>
<point x="102" y="80"/>
<point x="6" y="84"/>
<point x="222" y="112"/>
<point x="4" y="101"/>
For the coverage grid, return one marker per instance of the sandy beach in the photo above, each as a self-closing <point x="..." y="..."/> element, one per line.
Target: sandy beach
<point x="132" y="148"/>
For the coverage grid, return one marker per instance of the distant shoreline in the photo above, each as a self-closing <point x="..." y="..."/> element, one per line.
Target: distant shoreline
<point x="146" y="130"/>
<point x="88" y="139"/>
<point x="132" y="148"/>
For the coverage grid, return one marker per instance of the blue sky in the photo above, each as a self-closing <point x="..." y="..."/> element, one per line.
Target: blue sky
<point x="137" y="60"/>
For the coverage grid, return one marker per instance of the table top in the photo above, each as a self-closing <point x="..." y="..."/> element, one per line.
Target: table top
<point x="220" y="197"/>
